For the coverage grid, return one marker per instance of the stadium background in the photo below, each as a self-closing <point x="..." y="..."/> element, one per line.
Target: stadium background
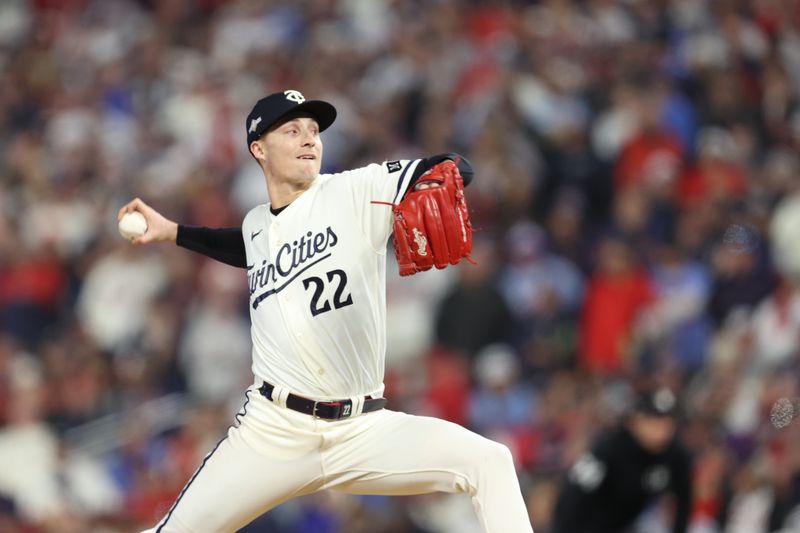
<point x="629" y="156"/>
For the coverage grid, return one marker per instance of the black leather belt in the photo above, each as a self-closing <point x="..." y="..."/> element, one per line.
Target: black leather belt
<point x="329" y="410"/>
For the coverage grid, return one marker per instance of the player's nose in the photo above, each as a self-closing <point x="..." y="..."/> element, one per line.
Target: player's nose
<point x="308" y="138"/>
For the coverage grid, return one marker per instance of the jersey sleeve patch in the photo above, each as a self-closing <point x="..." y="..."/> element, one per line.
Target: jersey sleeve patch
<point x="588" y="472"/>
<point x="393" y="166"/>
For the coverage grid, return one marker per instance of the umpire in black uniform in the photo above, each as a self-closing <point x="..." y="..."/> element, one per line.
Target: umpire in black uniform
<point x="607" y="489"/>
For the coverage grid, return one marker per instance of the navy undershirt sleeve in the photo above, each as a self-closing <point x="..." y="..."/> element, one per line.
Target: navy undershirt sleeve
<point x="464" y="167"/>
<point x="223" y="244"/>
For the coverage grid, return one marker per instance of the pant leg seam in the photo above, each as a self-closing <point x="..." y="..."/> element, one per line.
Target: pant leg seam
<point x="189" y="484"/>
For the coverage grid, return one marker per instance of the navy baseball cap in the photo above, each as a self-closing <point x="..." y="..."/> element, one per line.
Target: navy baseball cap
<point x="657" y="402"/>
<point x="272" y="108"/>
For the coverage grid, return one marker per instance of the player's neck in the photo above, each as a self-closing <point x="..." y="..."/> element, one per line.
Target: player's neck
<point x="284" y="192"/>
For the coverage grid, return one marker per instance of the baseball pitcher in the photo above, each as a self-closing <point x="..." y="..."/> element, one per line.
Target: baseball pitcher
<point x="315" y="256"/>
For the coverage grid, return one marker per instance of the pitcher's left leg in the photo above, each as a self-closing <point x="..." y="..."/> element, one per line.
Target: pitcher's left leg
<point x="394" y="453"/>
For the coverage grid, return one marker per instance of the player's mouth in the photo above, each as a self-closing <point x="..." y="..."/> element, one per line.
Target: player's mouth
<point x="307" y="157"/>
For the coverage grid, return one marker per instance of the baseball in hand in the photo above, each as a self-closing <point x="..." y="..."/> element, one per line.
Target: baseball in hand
<point x="132" y="225"/>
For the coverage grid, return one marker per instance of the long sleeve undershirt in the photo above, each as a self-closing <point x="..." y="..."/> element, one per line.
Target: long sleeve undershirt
<point x="223" y="244"/>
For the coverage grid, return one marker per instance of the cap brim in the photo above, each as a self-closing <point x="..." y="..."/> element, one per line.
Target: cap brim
<point x="324" y="112"/>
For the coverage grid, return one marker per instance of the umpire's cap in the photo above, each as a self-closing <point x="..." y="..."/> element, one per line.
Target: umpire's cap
<point x="272" y="108"/>
<point x="660" y="401"/>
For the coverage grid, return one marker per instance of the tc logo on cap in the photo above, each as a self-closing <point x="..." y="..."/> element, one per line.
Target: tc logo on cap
<point x="294" y="96"/>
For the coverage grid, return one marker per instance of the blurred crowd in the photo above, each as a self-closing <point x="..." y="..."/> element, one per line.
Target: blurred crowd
<point x="629" y="157"/>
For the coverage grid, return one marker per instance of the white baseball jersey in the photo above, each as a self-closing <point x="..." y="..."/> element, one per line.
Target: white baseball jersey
<point x="326" y="249"/>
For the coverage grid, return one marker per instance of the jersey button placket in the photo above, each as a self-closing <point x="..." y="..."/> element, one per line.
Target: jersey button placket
<point x="275" y="242"/>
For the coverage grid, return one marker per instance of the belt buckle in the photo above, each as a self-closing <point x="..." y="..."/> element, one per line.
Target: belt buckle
<point x="341" y="410"/>
<point x="314" y="410"/>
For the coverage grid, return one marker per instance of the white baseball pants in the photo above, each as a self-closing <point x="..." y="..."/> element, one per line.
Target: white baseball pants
<point x="275" y="454"/>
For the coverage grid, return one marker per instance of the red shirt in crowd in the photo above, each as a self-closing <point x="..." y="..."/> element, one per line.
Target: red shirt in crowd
<point x="712" y="180"/>
<point x="611" y="306"/>
<point x="641" y="158"/>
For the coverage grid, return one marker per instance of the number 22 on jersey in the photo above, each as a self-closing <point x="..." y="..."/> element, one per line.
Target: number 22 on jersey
<point x="335" y="277"/>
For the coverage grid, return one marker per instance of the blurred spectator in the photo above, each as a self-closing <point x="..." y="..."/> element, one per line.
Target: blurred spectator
<point x="32" y="289"/>
<point x="784" y="477"/>
<point x="116" y="296"/>
<point x="775" y="323"/>
<point x="653" y="157"/>
<point x="215" y="349"/>
<point x="642" y="220"/>
<point x="567" y="229"/>
<point x="749" y="504"/>
<point x="447" y="386"/>
<point x="543" y="291"/>
<point x="411" y="319"/>
<point x="675" y="324"/>
<point x="783" y="233"/>
<point x="617" y="293"/>
<point x="473" y="314"/>
<point x="558" y="424"/>
<point x="513" y="168"/>
<point x="717" y="175"/>
<point x="80" y="385"/>
<point x="501" y="405"/>
<point x="711" y="487"/>
<point x="29" y="452"/>
<point x="742" y="278"/>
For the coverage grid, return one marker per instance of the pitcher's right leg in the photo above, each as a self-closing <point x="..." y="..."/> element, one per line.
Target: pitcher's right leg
<point x="270" y="458"/>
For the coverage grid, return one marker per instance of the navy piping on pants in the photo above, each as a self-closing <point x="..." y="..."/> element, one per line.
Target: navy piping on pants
<point x="189" y="484"/>
<point x="244" y="408"/>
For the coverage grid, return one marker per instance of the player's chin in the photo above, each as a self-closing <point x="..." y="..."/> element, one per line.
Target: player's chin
<point x="309" y="168"/>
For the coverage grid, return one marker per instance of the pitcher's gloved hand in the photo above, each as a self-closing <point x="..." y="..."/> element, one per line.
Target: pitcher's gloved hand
<point x="431" y="224"/>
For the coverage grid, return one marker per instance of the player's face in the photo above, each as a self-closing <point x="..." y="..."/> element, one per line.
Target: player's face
<point x="293" y="150"/>
<point x="654" y="433"/>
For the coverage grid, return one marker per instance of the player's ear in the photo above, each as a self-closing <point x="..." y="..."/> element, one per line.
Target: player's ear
<point x="257" y="150"/>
